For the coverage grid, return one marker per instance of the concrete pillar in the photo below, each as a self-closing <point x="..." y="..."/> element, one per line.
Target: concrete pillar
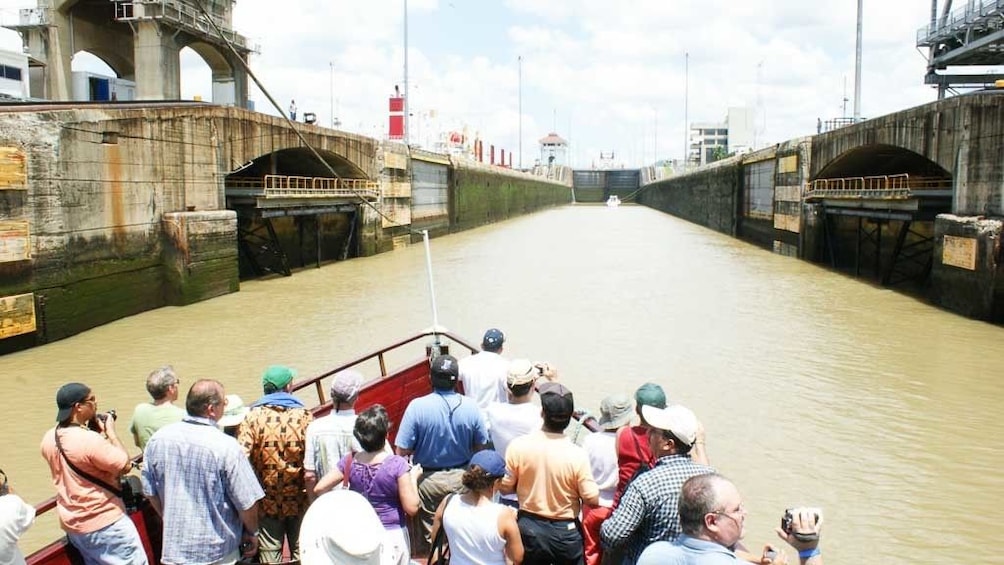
<point x="200" y="255"/>
<point x="966" y="275"/>
<point x="158" y="67"/>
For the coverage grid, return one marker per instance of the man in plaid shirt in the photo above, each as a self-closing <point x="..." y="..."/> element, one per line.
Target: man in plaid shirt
<point x="648" y="510"/>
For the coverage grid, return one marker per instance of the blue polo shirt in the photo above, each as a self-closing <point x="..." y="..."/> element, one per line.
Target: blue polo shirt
<point x="687" y="551"/>
<point x="441" y="429"/>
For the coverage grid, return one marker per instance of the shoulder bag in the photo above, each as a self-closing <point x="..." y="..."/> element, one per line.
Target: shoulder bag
<point x="439" y="552"/>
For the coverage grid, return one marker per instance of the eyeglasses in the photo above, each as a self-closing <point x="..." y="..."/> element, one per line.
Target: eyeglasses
<point x="90" y="400"/>
<point x="741" y="510"/>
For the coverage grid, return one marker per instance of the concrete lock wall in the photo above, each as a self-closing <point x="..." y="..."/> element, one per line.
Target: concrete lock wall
<point x="481" y="195"/>
<point x="93" y="199"/>
<point x="707" y="197"/>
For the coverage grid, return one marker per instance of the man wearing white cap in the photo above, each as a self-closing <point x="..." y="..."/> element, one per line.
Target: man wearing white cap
<point x="519" y="416"/>
<point x="329" y="438"/>
<point x="648" y="510"/>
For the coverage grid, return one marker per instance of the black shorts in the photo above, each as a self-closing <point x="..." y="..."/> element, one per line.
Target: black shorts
<point x="547" y="541"/>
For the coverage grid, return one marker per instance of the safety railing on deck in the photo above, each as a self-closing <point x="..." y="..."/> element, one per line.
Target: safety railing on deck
<point x="380" y="355"/>
<point x="882" y="187"/>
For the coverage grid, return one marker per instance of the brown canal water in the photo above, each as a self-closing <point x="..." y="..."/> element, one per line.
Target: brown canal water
<point x="815" y="388"/>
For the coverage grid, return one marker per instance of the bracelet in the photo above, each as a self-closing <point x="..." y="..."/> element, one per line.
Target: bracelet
<point x="807" y="553"/>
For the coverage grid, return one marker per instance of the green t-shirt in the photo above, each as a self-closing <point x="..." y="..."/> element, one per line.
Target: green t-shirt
<point x="149" y="418"/>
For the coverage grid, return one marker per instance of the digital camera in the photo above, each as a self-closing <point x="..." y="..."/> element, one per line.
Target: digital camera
<point x="789" y="518"/>
<point x="112" y="413"/>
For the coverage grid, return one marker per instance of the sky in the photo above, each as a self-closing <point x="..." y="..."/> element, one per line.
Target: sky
<point x="606" y="76"/>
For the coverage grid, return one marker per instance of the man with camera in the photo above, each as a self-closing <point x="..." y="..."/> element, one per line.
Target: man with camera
<point x="713" y="519"/>
<point x="87" y="459"/>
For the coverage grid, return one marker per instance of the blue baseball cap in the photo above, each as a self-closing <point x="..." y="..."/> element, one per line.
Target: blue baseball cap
<point x="490" y="461"/>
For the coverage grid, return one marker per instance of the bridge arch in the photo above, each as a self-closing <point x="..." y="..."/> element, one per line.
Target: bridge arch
<point x="882" y="159"/>
<point x="298" y="161"/>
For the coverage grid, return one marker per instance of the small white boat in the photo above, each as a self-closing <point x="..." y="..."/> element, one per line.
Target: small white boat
<point x="613" y="201"/>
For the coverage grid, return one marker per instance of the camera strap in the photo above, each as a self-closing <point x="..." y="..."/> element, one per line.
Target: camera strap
<point x="81" y="472"/>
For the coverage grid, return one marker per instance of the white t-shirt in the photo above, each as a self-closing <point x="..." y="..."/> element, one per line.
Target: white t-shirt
<point x="507" y="422"/>
<point x="15" y="517"/>
<point x="602" y="450"/>
<point x="328" y="439"/>
<point x="484" y="375"/>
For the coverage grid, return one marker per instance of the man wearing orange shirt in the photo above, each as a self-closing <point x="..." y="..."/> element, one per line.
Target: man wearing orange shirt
<point x="552" y="480"/>
<point x="86" y="459"/>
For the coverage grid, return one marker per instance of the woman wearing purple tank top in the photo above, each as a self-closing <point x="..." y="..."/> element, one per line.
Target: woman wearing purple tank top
<point x="384" y="479"/>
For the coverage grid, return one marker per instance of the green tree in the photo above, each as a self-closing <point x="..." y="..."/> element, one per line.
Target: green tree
<point x="718" y="153"/>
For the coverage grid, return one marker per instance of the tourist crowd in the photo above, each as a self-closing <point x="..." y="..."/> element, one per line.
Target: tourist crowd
<point x="483" y="462"/>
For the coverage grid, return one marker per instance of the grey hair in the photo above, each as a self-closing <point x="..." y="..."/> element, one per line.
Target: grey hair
<point x="160" y="380"/>
<point x="699" y="496"/>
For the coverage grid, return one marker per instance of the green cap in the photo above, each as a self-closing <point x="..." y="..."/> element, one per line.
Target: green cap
<point x="650" y="394"/>
<point x="278" y="376"/>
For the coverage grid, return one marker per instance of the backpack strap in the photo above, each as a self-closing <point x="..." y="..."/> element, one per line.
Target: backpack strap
<point x="82" y="473"/>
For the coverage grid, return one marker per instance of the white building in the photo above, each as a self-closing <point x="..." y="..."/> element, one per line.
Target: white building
<point x="735" y="134"/>
<point x="92" y="86"/>
<point x="553" y="150"/>
<point x="13" y="75"/>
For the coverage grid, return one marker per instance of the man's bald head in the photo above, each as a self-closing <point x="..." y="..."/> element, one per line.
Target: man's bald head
<point x="203" y="395"/>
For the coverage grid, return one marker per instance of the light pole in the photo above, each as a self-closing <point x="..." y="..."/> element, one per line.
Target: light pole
<point x="407" y="117"/>
<point x="686" y="101"/>
<point x="655" y="142"/>
<point x="857" y="70"/>
<point x="519" y="61"/>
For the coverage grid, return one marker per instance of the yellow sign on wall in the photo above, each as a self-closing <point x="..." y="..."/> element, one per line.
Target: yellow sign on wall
<point x="14" y="241"/>
<point x="959" y="252"/>
<point x="787" y="164"/>
<point x="17" y="315"/>
<point x="13" y="170"/>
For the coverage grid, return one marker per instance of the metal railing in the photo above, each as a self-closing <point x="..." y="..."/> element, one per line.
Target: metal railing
<point x="180" y="14"/>
<point x="884" y="187"/>
<point x="974" y="12"/>
<point x="281" y="186"/>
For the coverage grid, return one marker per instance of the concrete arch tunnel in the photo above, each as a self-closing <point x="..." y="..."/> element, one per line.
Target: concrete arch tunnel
<point x="277" y="233"/>
<point x="882" y="226"/>
<point x="882" y="159"/>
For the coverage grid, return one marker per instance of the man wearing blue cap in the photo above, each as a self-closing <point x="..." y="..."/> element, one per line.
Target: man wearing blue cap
<point x="273" y="436"/>
<point x="484" y="374"/>
<point x="440" y="431"/>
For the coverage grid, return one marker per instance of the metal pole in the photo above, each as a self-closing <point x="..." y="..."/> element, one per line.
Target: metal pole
<point x="686" y="117"/>
<point x="331" y="95"/>
<point x="857" y="69"/>
<point x="432" y="287"/>
<point x="407" y="113"/>
<point x="520" y="63"/>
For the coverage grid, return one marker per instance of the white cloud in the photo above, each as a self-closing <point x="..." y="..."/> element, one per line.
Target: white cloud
<point x="606" y="75"/>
